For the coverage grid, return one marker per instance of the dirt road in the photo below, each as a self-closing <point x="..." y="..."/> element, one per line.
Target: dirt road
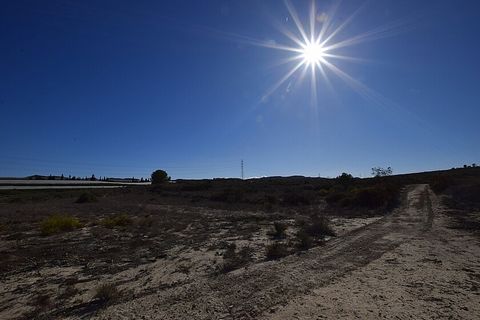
<point x="410" y="264"/>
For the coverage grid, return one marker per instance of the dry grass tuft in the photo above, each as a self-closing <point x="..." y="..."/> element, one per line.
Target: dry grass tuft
<point x="118" y="220"/>
<point x="59" y="223"/>
<point x="107" y="293"/>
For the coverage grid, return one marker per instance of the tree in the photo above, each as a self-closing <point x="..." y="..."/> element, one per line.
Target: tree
<point x="159" y="177"/>
<point x="345" y="178"/>
<point x="381" y="172"/>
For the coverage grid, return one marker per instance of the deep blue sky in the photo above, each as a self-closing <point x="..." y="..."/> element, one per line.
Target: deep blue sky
<point x="120" y="88"/>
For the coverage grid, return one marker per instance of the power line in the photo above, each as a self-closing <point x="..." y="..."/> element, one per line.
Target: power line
<point x="241" y="164"/>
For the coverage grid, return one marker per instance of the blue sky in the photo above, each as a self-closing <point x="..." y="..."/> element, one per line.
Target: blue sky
<point x="120" y="88"/>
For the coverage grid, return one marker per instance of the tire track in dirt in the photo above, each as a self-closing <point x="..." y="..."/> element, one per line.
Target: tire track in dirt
<point x="260" y="289"/>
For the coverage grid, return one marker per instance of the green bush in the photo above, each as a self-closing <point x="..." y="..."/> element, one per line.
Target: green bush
<point x="59" y="223"/>
<point x="117" y="220"/>
<point x="86" y="197"/>
<point x="276" y="251"/>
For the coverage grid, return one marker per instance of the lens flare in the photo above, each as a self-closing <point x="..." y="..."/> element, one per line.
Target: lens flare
<point x="312" y="53"/>
<point x="313" y="49"/>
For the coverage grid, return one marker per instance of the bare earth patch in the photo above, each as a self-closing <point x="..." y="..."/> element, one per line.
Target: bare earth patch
<point x="165" y="262"/>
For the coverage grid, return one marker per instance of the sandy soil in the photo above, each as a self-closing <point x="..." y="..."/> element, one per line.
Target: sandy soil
<point x="415" y="263"/>
<point x="434" y="273"/>
<point x="407" y="265"/>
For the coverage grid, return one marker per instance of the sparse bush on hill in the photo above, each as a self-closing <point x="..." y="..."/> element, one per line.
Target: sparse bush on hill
<point x="86" y="197"/>
<point x="59" y="223"/>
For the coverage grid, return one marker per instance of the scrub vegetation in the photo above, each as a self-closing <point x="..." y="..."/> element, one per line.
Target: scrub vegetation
<point x="59" y="223"/>
<point x="143" y="239"/>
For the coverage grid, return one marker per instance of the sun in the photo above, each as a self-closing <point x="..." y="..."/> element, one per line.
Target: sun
<point x="314" y="49"/>
<point x="312" y="53"/>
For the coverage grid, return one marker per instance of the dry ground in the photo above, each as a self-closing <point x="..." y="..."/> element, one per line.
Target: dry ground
<point x="422" y="262"/>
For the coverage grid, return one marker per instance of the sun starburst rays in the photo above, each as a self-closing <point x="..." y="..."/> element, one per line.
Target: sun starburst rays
<point x="315" y="50"/>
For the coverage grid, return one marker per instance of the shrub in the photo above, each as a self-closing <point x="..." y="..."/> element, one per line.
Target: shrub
<point x="276" y="251"/>
<point x="319" y="228"/>
<point x="440" y="184"/>
<point x="194" y="186"/>
<point x="234" y="260"/>
<point x="295" y="199"/>
<point x="380" y="195"/>
<point x="117" y="220"/>
<point x="345" y="179"/>
<point x="373" y="197"/>
<point x="335" y="197"/>
<point x="304" y="240"/>
<point x="86" y="197"/>
<point x="270" y="199"/>
<point x="323" y="192"/>
<point x="107" y="293"/>
<point x="229" y="196"/>
<point x="377" y="196"/>
<point x="279" y="230"/>
<point x="42" y="301"/>
<point x="381" y="172"/>
<point x="159" y="177"/>
<point x="69" y="292"/>
<point x="59" y="223"/>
